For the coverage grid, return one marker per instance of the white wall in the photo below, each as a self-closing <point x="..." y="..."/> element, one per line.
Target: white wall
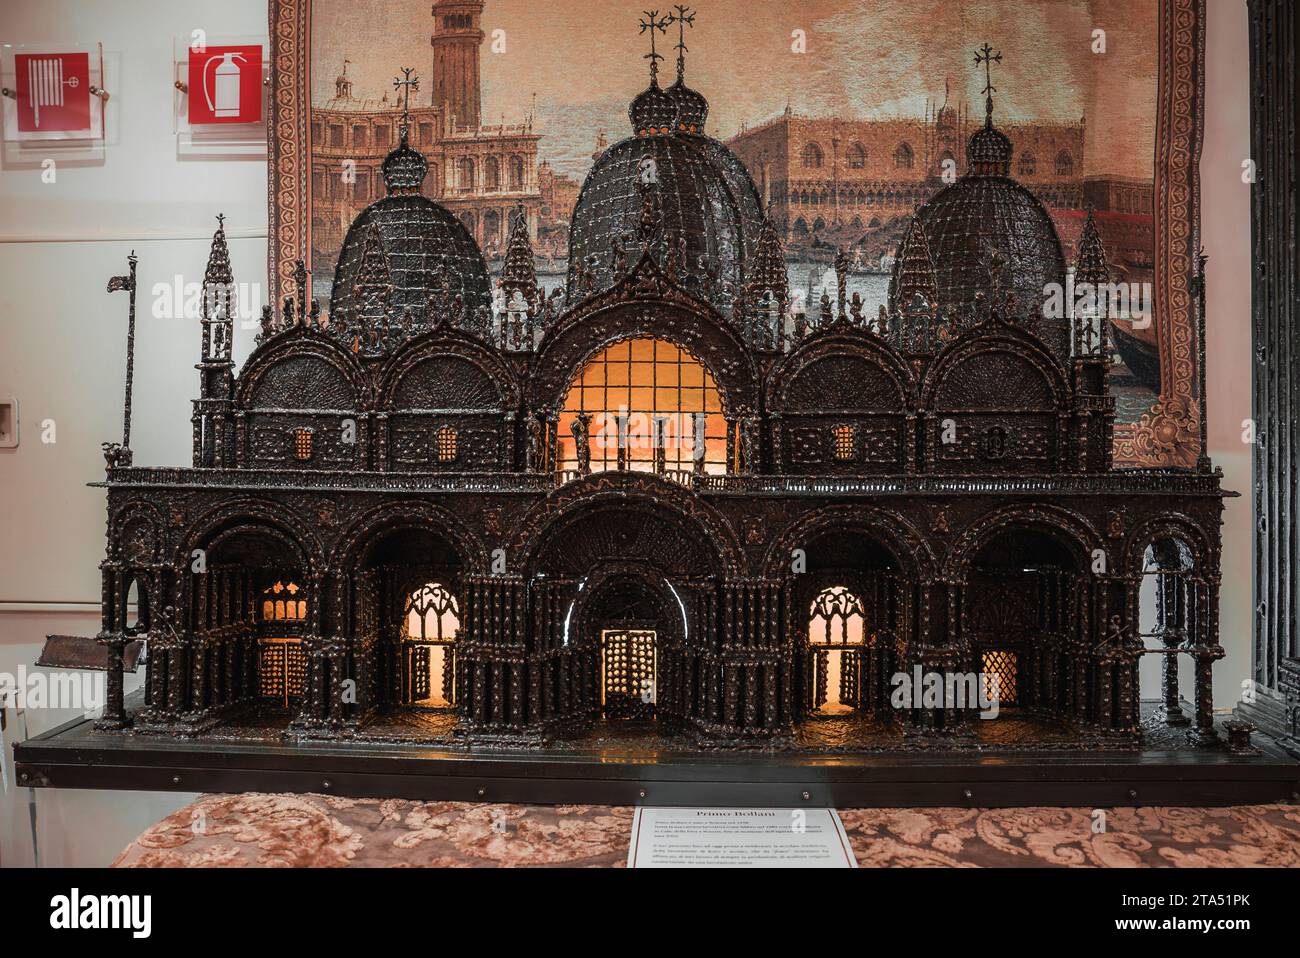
<point x="62" y="339"/>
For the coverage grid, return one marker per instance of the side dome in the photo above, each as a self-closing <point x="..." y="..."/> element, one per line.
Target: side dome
<point x="984" y="211"/>
<point x="653" y="112"/>
<point x="399" y="253"/>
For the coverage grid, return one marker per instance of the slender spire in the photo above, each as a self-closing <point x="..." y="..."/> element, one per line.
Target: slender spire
<point x="1090" y="261"/>
<point x="915" y="273"/>
<point x="218" y="272"/>
<point x="518" y="272"/>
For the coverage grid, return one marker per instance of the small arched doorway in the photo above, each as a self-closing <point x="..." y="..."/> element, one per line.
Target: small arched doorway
<point x="633" y="624"/>
<point x="428" y="658"/>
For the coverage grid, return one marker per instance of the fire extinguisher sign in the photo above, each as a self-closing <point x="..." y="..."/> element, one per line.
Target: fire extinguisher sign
<point x="53" y="92"/>
<point x="225" y="84"/>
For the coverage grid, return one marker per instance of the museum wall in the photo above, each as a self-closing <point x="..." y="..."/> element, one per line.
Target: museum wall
<point x="62" y="351"/>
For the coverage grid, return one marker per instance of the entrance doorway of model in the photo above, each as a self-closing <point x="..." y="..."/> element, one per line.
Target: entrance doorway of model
<point x="628" y="673"/>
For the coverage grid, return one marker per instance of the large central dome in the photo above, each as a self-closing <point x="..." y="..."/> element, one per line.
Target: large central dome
<point x="673" y="188"/>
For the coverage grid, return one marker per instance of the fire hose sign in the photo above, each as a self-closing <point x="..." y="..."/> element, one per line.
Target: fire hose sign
<point x="225" y="85"/>
<point x="53" y="92"/>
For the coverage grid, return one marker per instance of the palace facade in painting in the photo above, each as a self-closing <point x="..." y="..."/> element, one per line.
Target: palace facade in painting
<point x="660" y="496"/>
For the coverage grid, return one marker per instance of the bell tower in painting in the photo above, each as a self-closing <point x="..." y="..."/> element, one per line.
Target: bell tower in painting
<point x="457" y="35"/>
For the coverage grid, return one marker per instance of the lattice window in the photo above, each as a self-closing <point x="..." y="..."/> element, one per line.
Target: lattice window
<point x="282" y="669"/>
<point x="837" y="617"/>
<point x="845" y="438"/>
<point x="430" y="626"/>
<point x="1004" y="666"/>
<point x="283" y="602"/>
<point x="445" y="441"/>
<point x="628" y="681"/>
<point x="432" y="614"/>
<point x="631" y="387"/>
<point x="302" y="443"/>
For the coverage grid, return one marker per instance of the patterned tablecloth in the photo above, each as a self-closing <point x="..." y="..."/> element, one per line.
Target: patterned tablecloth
<point x="325" y="831"/>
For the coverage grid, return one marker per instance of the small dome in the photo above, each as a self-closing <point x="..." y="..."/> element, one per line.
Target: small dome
<point x="692" y="108"/>
<point x="989" y="152"/>
<point x="653" y="112"/>
<point x="404" y="169"/>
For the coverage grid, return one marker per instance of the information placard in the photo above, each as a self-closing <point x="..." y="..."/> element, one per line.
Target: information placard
<point x="738" y="838"/>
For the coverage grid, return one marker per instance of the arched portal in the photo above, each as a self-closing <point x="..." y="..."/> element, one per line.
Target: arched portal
<point x="1021" y="608"/>
<point x="855" y="600"/>
<point x="406" y="615"/>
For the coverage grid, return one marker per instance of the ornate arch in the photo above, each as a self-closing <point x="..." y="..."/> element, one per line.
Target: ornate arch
<point x="1069" y="527"/>
<point x="280" y="520"/>
<point x="637" y="492"/>
<point x="1175" y="525"/>
<point x="644" y="304"/>
<point x="439" y="343"/>
<point x="297" y="344"/>
<point x="984" y="342"/>
<point x="855" y="344"/>
<point x="410" y="514"/>
<point x="137" y="534"/>
<point x="910" y="549"/>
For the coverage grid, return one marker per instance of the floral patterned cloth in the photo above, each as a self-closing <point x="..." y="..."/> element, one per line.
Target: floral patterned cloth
<point x="253" y="830"/>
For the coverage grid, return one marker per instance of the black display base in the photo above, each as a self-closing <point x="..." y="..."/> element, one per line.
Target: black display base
<point x="636" y="770"/>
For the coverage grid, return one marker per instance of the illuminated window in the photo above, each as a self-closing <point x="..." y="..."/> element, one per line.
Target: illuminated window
<point x="446" y="443"/>
<point x="836" y="618"/>
<point x="641" y="389"/>
<point x="430" y="626"/>
<point x="302" y="444"/>
<point x="836" y="632"/>
<point x="282" y="603"/>
<point x="1000" y="667"/>
<point x="845" y="437"/>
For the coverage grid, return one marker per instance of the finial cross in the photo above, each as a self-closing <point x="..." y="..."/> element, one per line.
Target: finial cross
<point x="684" y="17"/>
<point x="987" y="56"/>
<point x="651" y="23"/>
<point x="404" y="85"/>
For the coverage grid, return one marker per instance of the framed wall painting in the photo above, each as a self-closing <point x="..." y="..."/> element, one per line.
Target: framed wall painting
<point x="1102" y="99"/>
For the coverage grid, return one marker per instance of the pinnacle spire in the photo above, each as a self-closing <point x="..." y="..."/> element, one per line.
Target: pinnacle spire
<point x="518" y="273"/>
<point x="1090" y="260"/>
<point x="218" y="271"/>
<point x="915" y="274"/>
<point x="684" y="17"/>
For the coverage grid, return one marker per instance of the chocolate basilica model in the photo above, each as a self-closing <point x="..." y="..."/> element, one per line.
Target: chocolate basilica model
<point x="666" y="495"/>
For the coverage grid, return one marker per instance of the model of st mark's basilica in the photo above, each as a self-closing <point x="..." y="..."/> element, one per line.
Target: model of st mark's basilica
<point x="662" y="497"/>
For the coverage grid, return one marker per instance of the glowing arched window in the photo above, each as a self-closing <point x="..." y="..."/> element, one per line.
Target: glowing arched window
<point x="903" y="157"/>
<point x="432" y="614"/>
<point x="283" y="603"/>
<point x="836" y="618"/>
<point x="812" y="155"/>
<point x="446" y="443"/>
<point x="430" y="627"/>
<point x="846" y="442"/>
<point x="636" y="392"/>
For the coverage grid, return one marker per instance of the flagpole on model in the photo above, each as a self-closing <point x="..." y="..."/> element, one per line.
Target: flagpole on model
<point x="122" y="455"/>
